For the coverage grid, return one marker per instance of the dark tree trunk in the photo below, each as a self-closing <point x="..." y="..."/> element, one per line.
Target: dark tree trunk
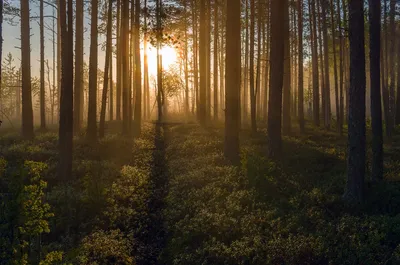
<point x="286" y="73"/>
<point x="376" y="105"/>
<point x="216" y="32"/>
<point x="78" y="93"/>
<point x="42" y="80"/>
<point x="276" y="78"/>
<point x="138" y="72"/>
<point x="203" y="63"/>
<point x="333" y="27"/>
<point x="232" y="77"/>
<point x="356" y="134"/>
<point x="125" y="67"/>
<point x="106" y="70"/>
<point x="27" y="111"/>
<point x="252" y="83"/>
<point x="119" y="62"/>
<point x="66" y="105"/>
<point x="301" y="77"/>
<point x="92" y="101"/>
<point x="327" y="84"/>
<point x="391" y="58"/>
<point x="146" y="66"/>
<point x="315" y="70"/>
<point x="341" y="70"/>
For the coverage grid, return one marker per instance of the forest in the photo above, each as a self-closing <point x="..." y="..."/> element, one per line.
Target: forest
<point x="139" y="132"/>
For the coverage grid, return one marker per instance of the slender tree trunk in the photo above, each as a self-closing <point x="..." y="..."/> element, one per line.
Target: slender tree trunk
<point x="276" y="78"/>
<point x="315" y="70"/>
<point x="1" y="52"/>
<point x="326" y="65"/>
<point x="92" y="116"/>
<point x="246" y="65"/>
<point x="391" y="62"/>
<point x="146" y="66"/>
<point x="42" y="80"/>
<point x="125" y="66"/>
<point x="376" y="107"/>
<point x="78" y="93"/>
<point x="203" y="63"/>
<point x="216" y="32"/>
<point x="27" y="111"/>
<point x="252" y="83"/>
<point x="111" y="100"/>
<point x="106" y="70"/>
<point x="301" y="77"/>
<point x="341" y="70"/>
<point x="232" y="75"/>
<point x="186" y="59"/>
<point x="119" y="62"/>
<point x="138" y="72"/>
<point x="286" y="80"/>
<point x="333" y="27"/>
<point x="67" y="93"/>
<point x="356" y="134"/>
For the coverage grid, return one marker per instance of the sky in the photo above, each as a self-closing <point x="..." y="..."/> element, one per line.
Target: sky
<point x="12" y="42"/>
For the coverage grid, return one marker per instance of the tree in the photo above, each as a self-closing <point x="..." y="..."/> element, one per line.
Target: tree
<point x="376" y="105"/>
<point x="300" y="62"/>
<point x="138" y="72"/>
<point x="232" y="77"/>
<point x="92" y="123"/>
<point x="106" y="70"/>
<point x="78" y="93"/>
<point x="42" y="81"/>
<point x="66" y="104"/>
<point x="27" y="111"/>
<point x="356" y="132"/>
<point x="252" y="84"/>
<point x="276" y="78"/>
<point x="286" y="121"/>
<point x="216" y="32"/>
<point x="125" y="67"/>
<point x="315" y="69"/>
<point x="203" y="63"/>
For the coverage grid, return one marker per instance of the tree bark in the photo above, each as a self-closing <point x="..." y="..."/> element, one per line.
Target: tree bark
<point x="301" y="76"/>
<point x="232" y="76"/>
<point x="276" y="78"/>
<point x="78" y="93"/>
<point x="106" y="71"/>
<point x="27" y="111"/>
<point x="203" y="64"/>
<point x="42" y="80"/>
<point x="286" y="76"/>
<point x="138" y="73"/>
<point x="93" y="62"/>
<point x="356" y="133"/>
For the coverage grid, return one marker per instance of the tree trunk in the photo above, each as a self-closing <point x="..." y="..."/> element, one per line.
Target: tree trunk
<point x="326" y="65"/>
<point x="203" y="63"/>
<point x="119" y="62"/>
<point x="333" y="28"/>
<point x="376" y="106"/>
<point x="138" y="73"/>
<point x="66" y="105"/>
<point x="216" y="33"/>
<point x="301" y="77"/>
<point x="106" y="70"/>
<point x="125" y="67"/>
<point x="42" y="80"/>
<point x="92" y="117"/>
<point x="232" y="75"/>
<point x="276" y="78"/>
<point x="315" y="70"/>
<point x="356" y="134"/>
<point x="252" y="83"/>
<point x="286" y="79"/>
<point x="27" y="111"/>
<point x="391" y="58"/>
<point x="341" y="70"/>
<point x="78" y="93"/>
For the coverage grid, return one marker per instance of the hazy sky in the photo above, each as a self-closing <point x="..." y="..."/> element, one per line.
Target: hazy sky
<point x="12" y="35"/>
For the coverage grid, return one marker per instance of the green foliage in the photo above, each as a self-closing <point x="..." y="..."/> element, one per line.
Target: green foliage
<point x="102" y="248"/>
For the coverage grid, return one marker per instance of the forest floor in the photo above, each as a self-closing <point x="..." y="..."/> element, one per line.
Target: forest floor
<point x="170" y="197"/>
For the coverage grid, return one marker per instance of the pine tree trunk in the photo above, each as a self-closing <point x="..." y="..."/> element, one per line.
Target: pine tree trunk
<point x="376" y="105"/>
<point x="108" y="56"/>
<point x="356" y="134"/>
<point x="78" y="93"/>
<point x="252" y="83"/>
<point x="276" y="78"/>
<point x="327" y="84"/>
<point x="138" y="72"/>
<point x="27" y="111"/>
<point x="301" y="77"/>
<point x="125" y="66"/>
<point x="216" y="33"/>
<point x="315" y="70"/>
<point x="92" y="100"/>
<point x="119" y="62"/>
<point x="67" y="93"/>
<point x="335" y="74"/>
<point x="232" y="75"/>
<point x="203" y="64"/>
<point x="341" y="70"/>
<point x="42" y="80"/>
<point x="286" y="79"/>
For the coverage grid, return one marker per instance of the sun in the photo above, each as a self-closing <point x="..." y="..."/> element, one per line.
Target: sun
<point x="169" y="57"/>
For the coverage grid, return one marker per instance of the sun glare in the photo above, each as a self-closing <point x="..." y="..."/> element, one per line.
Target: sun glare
<point x="169" y="57"/>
